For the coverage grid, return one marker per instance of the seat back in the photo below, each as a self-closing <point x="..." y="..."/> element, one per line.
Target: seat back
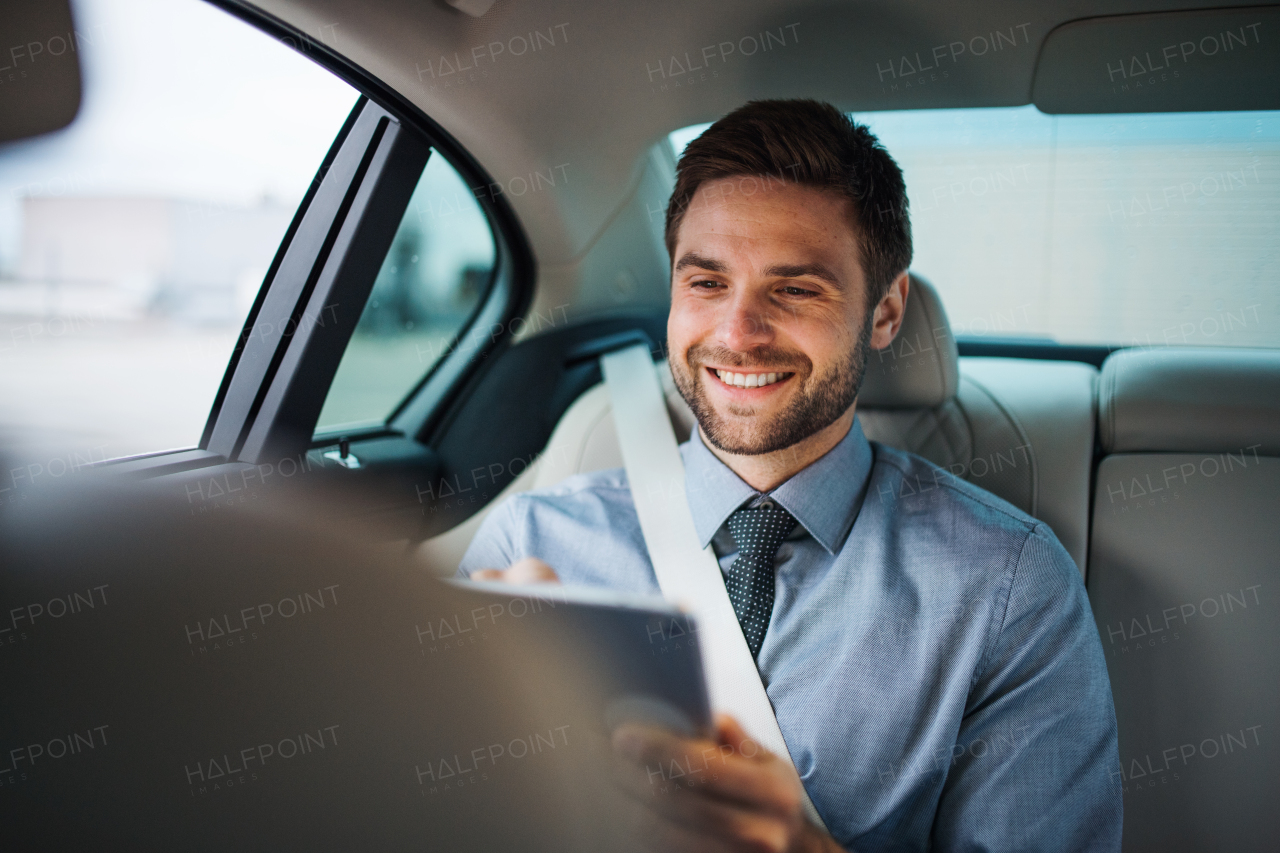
<point x="260" y="678"/>
<point x="1021" y="429"/>
<point x="1182" y="568"/>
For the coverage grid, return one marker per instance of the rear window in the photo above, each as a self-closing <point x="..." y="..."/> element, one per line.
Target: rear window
<point x="1147" y="229"/>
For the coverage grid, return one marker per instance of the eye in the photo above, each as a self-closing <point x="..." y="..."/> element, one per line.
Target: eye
<point x="704" y="284"/>
<point x="793" y="290"/>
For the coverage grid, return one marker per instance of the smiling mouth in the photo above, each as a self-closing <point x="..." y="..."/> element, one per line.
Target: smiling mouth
<point x="749" y="380"/>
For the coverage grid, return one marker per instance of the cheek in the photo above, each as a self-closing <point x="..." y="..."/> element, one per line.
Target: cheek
<point x="825" y="339"/>
<point x="690" y="320"/>
<point x="834" y="321"/>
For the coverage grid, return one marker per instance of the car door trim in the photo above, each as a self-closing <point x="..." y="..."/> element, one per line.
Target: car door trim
<point x="336" y="293"/>
<point x="256" y="309"/>
<point x="261" y="354"/>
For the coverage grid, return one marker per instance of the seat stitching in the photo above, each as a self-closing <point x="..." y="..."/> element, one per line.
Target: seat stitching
<point x="1022" y="436"/>
<point x="1104" y="403"/>
<point x="941" y="369"/>
<point x="968" y="426"/>
<point x="938" y="418"/>
<point x="1110" y="397"/>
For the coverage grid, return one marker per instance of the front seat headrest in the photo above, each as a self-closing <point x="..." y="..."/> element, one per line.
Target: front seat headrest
<point x="921" y="368"/>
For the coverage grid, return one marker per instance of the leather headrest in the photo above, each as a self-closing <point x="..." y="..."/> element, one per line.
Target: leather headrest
<point x="921" y="368"/>
<point x="1191" y="400"/>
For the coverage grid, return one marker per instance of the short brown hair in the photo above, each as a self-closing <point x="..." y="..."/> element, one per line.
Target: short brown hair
<point x="814" y="144"/>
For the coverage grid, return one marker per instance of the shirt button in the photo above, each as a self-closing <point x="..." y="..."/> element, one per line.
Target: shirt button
<point x="766" y="505"/>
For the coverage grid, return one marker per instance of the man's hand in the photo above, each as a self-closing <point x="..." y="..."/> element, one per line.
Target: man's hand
<point x="728" y="794"/>
<point x="528" y="570"/>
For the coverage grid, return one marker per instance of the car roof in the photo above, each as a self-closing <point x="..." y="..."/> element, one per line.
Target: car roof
<point x="585" y="93"/>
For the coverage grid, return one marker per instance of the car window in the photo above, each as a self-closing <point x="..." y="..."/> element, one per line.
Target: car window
<point x="429" y="285"/>
<point x="1133" y="230"/>
<point x="133" y="243"/>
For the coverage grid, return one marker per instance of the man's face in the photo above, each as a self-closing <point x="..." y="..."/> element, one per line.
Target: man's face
<point x="769" y="326"/>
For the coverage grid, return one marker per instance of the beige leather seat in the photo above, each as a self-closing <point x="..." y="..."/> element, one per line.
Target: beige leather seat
<point x="1023" y="430"/>
<point x="1182" y="575"/>
<point x="1020" y="429"/>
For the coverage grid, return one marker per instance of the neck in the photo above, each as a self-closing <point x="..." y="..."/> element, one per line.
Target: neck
<point x="766" y="471"/>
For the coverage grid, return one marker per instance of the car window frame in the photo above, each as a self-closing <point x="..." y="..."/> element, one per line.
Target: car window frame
<point x="411" y="413"/>
<point x="238" y="435"/>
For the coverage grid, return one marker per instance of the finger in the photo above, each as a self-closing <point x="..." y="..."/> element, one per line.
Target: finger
<point x="644" y="781"/>
<point x="752" y="774"/>
<point x="647" y="765"/>
<point x="692" y="808"/>
<point x="486" y="575"/>
<point x="680" y="759"/>
<point x="762" y="788"/>
<point x="660" y="750"/>
<point x="772" y="787"/>
<point x="729" y="731"/>
<point x="757" y="780"/>
<point x="531" y="570"/>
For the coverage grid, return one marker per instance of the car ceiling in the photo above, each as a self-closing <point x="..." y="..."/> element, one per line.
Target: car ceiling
<point x="587" y="107"/>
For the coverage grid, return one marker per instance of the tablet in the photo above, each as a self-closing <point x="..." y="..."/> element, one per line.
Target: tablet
<point x="636" y="658"/>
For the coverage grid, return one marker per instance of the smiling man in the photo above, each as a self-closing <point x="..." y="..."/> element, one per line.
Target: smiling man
<point x="930" y="657"/>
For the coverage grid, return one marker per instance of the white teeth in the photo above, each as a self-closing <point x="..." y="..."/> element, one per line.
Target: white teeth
<point x="748" y="380"/>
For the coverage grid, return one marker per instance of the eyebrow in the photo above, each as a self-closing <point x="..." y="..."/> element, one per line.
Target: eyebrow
<point x="813" y="270"/>
<point x="693" y="259"/>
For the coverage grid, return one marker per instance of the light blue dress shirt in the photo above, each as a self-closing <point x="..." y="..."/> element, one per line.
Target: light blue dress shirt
<point x="932" y="658"/>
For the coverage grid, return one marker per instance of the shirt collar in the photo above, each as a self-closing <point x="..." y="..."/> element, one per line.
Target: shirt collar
<point x="824" y="497"/>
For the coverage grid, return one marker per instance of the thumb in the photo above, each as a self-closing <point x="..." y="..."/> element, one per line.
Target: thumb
<point x="531" y="570"/>
<point x="731" y="733"/>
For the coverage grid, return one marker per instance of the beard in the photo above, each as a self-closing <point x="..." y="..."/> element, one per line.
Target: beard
<point x="820" y="400"/>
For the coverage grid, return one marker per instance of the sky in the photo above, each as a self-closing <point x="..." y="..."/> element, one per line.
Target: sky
<point x="180" y="100"/>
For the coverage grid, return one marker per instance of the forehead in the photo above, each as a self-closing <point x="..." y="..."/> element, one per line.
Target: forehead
<point x="748" y="213"/>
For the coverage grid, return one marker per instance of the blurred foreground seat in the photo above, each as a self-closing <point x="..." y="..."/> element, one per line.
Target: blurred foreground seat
<point x="255" y="681"/>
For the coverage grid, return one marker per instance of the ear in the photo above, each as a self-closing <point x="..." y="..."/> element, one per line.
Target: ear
<point x="890" y="312"/>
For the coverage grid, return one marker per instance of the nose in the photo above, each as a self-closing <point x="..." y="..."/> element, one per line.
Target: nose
<point x="745" y="323"/>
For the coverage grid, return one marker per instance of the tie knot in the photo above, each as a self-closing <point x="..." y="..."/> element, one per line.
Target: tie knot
<point x="760" y="529"/>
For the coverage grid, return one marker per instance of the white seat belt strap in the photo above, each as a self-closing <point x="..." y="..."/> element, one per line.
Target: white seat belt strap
<point x="689" y="574"/>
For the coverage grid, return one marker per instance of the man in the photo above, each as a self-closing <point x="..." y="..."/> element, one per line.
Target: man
<point x="930" y="656"/>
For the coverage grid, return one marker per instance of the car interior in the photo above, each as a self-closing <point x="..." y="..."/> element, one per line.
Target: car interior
<point x="1155" y="461"/>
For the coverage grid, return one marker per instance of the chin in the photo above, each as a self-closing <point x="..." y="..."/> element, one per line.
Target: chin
<point x="754" y="437"/>
<point x="810" y="406"/>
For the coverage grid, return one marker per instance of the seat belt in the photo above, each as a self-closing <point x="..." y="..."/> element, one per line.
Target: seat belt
<point x="688" y="574"/>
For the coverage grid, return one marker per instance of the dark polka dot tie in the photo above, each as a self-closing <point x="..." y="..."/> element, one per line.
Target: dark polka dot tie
<point x="758" y="531"/>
